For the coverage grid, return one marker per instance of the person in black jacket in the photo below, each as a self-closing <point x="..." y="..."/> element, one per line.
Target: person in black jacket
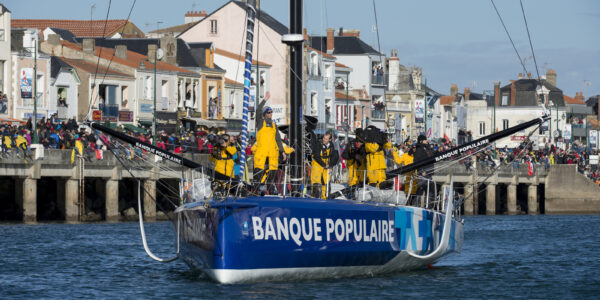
<point x="422" y="152"/>
<point x="324" y="158"/>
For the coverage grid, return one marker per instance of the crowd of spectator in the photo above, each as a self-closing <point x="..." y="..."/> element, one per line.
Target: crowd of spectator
<point x="55" y="134"/>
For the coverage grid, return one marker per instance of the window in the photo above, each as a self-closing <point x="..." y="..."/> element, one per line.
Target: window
<point x="504" y="100"/>
<point x="481" y="128"/>
<point x="314" y="64"/>
<point x="61" y="96"/>
<point x="124" y="96"/>
<point x="504" y="124"/>
<point x="213" y="26"/>
<point x="313" y="103"/>
<point x="163" y="94"/>
<point x="148" y="87"/>
<point x="328" y="76"/>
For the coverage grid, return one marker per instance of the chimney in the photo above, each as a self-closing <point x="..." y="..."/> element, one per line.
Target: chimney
<point x="453" y="90"/>
<point x="352" y="32"/>
<point x="88" y="46"/>
<point x="341" y="32"/>
<point x="497" y="92"/>
<point x="529" y="75"/>
<point x="305" y="34"/>
<point x="467" y="93"/>
<point x="54" y="39"/>
<point x="520" y="75"/>
<point x="551" y="76"/>
<point x="513" y="93"/>
<point x="121" y="51"/>
<point x="151" y="51"/>
<point x="194" y="16"/>
<point x="597" y="105"/>
<point x="579" y="96"/>
<point x="330" y="40"/>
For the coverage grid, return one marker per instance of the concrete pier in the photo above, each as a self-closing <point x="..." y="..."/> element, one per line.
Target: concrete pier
<point x="511" y="192"/>
<point x="532" y="200"/>
<point x="490" y="199"/>
<point x="149" y="199"/>
<point x="71" y="195"/>
<point x="112" y="200"/>
<point x="29" y="188"/>
<point x="468" y="200"/>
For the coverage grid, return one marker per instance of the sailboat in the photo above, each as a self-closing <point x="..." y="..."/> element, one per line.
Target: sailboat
<point x="240" y="238"/>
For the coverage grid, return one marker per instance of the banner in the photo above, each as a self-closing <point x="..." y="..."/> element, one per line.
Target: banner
<point x="419" y="111"/>
<point x="26" y="79"/>
<point x="567" y="131"/>
<point x="593" y="142"/>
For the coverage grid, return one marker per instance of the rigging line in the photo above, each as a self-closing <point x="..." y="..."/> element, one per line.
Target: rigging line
<point x="237" y="71"/>
<point x="521" y="152"/>
<point x="511" y="41"/>
<point x="381" y="59"/>
<point x="109" y="62"/>
<point x="146" y="191"/>
<point x="530" y="43"/>
<point x="98" y="61"/>
<point x="278" y="53"/>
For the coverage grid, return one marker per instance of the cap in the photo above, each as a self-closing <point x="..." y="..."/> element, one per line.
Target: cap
<point x="267" y="109"/>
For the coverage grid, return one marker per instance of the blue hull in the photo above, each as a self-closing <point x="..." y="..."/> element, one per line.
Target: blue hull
<point x="272" y="238"/>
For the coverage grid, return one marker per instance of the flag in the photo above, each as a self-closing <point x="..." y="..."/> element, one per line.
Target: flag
<point x="529" y="168"/>
<point x="446" y="138"/>
<point x="397" y="184"/>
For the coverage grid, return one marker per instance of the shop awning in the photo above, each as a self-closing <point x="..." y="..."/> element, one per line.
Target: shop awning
<point x="135" y="128"/>
<point x="202" y="122"/>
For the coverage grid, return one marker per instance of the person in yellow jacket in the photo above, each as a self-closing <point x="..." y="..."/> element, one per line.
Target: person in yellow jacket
<point x="22" y="144"/>
<point x="354" y="154"/>
<point x="324" y="157"/>
<point x="410" y="181"/>
<point x="375" y="161"/>
<point x="222" y="157"/>
<point x="78" y="149"/>
<point x="268" y="146"/>
<point x="286" y="150"/>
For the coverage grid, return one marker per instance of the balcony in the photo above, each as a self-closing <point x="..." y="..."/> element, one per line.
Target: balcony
<point x="379" y="80"/>
<point x="378" y="114"/>
<point x="110" y="110"/>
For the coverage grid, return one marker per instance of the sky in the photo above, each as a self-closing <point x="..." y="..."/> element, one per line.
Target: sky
<point x="454" y="42"/>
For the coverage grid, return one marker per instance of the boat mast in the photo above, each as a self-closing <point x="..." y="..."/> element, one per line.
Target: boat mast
<point x="251" y="13"/>
<point x="295" y="40"/>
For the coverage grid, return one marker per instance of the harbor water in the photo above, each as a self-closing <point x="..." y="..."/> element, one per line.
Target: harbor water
<point x="503" y="256"/>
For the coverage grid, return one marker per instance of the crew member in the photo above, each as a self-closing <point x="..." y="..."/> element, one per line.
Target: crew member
<point x="268" y="145"/>
<point x="421" y="153"/>
<point x="354" y="154"/>
<point x="375" y="156"/>
<point x="222" y="156"/>
<point x="324" y="157"/>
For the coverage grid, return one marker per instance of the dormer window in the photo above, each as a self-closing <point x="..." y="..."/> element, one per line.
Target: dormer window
<point x="213" y="26"/>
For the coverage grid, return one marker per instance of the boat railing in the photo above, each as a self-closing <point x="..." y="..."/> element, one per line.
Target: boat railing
<point x="200" y="185"/>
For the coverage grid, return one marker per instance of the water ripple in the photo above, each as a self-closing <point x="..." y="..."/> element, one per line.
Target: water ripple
<point x="518" y="256"/>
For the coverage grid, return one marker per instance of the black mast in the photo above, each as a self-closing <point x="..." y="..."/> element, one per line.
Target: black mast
<point x="295" y="40"/>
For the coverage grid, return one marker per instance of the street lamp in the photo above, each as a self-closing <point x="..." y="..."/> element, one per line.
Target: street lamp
<point x="34" y="128"/>
<point x="158" y="54"/>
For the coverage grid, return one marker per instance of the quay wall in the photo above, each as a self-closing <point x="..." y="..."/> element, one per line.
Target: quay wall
<point x="105" y="190"/>
<point x="569" y="192"/>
